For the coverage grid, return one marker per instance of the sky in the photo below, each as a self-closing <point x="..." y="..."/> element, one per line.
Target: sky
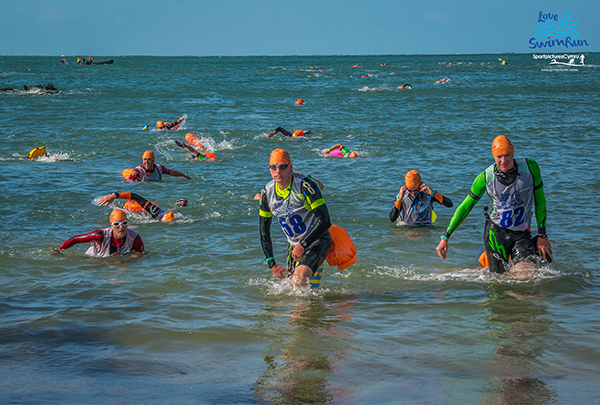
<point x="284" y="27"/>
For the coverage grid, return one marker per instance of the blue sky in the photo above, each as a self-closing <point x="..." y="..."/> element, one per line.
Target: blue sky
<point x="282" y="27"/>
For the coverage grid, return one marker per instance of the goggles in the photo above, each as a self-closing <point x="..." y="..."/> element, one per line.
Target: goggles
<point x="281" y="166"/>
<point x="118" y="224"/>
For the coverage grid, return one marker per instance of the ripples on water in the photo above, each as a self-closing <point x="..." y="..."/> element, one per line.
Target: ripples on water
<point x="199" y="318"/>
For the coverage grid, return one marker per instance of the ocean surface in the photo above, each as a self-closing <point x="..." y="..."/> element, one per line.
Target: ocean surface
<point x="199" y="319"/>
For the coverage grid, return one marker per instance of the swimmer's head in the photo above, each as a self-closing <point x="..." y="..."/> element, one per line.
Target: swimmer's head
<point x="148" y="155"/>
<point x="412" y="180"/>
<point x="168" y="217"/>
<point x="159" y="124"/>
<point x="148" y="160"/>
<point x="353" y="155"/>
<point x="118" y="223"/>
<point x="298" y="132"/>
<point x="502" y="145"/>
<point x="279" y="156"/>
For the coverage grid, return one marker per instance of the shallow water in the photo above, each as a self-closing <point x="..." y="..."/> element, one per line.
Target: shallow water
<point x="200" y="319"/>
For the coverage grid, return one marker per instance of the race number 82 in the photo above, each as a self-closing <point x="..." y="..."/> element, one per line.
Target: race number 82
<point x="507" y="217"/>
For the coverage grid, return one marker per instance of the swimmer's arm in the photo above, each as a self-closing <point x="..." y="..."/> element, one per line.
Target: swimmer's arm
<point x="437" y="196"/>
<point x="538" y="196"/>
<point x="463" y="210"/>
<point x="175" y="173"/>
<point x="445" y="201"/>
<point x="318" y="207"/>
<point x="149" y="207"/>
<point x="134" y="175"/>
<point x="336" y="146"/>
<point x="265" y="217"/>
<point x="321" y="185"/>
<point x="94" y="236"/>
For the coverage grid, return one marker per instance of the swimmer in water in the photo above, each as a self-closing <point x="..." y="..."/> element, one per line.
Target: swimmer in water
<point x="406" y="86"/>
<point x="339" y="150"/>
<point x="148" y="171"/>
<point x="413" y="203"/>
<point x="296" y="201"/>
<point x="296" y="133"/>
<point x="199" y="155"/>
<point x="151" y="208"/>
<point x="165" y="126"/>
<point x="114" y="240"/>
<point x="507" y="229"/>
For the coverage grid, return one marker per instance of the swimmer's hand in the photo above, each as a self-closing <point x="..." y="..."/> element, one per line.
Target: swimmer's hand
<point x="426" y="189"/>
<point x="442" y="248"/>
<point x="107" y="199"/>
<point x="298" y="252"/>
<point x="56" y="251"/>
<point x="280" y="272"/>
<point x="544" y="249"/>
<point x="180" y="144"/>
<point x="325" y="151"/>
<point x="402" y="191"/>
<point x="270" y="134"/>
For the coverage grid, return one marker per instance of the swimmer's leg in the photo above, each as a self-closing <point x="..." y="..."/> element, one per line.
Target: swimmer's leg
<point x="497" y="254"/>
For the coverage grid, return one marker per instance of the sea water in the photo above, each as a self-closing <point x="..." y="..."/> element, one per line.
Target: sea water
<point x="200" y="318"/>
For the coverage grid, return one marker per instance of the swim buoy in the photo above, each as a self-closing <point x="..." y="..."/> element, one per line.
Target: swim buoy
<point x="37" y="152"/>
<point x="193" y="140"/>
<point x="210" y="155"/>
<point x="343" y="252"/>
<point x="298" y="102"/>
<point x="126" y="173"/>
<point x="131" y="205"/>
<point x="483" y="259"/>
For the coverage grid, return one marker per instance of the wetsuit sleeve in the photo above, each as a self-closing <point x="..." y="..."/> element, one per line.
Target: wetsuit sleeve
<point x="138" y="244"/>
<point x="538" y="196"/>
<point x="395" y="212"/>
<point x="318" y="207"/>
<point x="265" y="218"/>
<point x="165" y="170"/>
<point x="283" y="131"/>
<point x="94" y="236"/>
<point x="149" y="207"/>
<point x="134" y="175"/>
<point x="445" y="201"/>
<point x="463" y="210"/>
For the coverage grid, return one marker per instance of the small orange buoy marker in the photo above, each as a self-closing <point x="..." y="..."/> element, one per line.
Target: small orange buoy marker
<point x="343" y="253"/>
<point x="299" y="101"/>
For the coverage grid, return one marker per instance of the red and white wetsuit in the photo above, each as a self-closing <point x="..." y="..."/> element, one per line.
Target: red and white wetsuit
<point x="104" y="244"/>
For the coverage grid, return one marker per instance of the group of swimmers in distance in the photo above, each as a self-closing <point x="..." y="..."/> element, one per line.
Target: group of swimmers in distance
<point x="514" y="186"/>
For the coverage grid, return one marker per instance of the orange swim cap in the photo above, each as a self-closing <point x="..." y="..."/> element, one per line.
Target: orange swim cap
<point x="353" y="155"/>
<point x="502" y="145"/>
<point x="412" y="179"/>
<point x="279" y="156"/>
<point x="117" y="215"/>
<point x="148" y="154"/>
<point x="168" y="217"/>
<point x="298" y="132"/>
<point x="298" y="102"/>
<point x="159" y="124"/>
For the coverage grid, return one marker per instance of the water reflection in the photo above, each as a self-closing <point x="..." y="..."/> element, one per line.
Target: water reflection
<point x="518" y="327"/>
<point x="311" y="345"/>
